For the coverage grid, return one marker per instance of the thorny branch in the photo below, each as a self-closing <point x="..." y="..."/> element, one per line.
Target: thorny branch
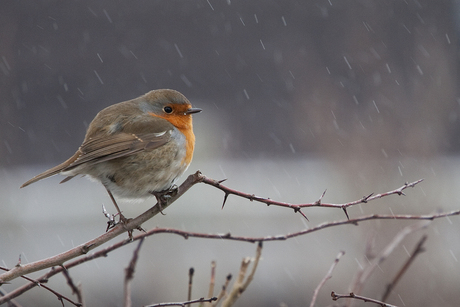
<point x="38" y="282"/>
<point x="336" y="296"/>
<point x="200" y="300"/>
<point x="297" y="207"/>
<point x="362" y="275"/>
<point x="418" y="249"/>
<point x="135" y="223"/>
<point x="129" y="274"/>
<point x="12" y="303"/>
<point x="228" y="236"/>
<point x="328" y="276"/>
<point x="75" y="288"/>
<point x="58" y="261"/>
<point x="84" y="248"/>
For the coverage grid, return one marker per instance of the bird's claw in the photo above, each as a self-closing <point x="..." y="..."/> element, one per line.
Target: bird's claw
<point x="163" y="196"/>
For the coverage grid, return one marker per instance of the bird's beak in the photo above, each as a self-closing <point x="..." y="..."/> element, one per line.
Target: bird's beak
<point x="193" y="111"/>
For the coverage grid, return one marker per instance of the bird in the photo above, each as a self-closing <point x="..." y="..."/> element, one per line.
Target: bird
<point x="136" y="148"/>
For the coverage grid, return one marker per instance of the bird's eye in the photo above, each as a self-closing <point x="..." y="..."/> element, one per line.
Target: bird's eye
<point x="168" y="109"/>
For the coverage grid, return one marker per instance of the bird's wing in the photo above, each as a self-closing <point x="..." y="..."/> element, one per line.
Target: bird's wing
<point x="103" y="148"/>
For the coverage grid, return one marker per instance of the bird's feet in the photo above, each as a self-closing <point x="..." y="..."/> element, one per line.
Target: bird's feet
<point x="121" y="220"/>
<point x="111" y="223"/>
<point x="164" y="196"/>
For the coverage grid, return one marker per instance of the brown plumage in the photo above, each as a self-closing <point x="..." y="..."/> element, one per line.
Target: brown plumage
<point x="135" y="148"/>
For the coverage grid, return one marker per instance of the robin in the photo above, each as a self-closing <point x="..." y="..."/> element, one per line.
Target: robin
<point x="136" y="148"/>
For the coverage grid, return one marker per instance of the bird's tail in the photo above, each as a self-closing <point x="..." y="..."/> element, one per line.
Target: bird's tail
<point x="53" y="171"/>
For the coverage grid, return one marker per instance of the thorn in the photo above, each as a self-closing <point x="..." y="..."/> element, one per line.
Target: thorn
<point x="19" y="261"/>
<point x="110" y="225"/>
<point x="222" y="180"/>
<point x="365" y="198"/>
<point x="346" y="213"/>
<point x="225" y="200"/>
<point x="303" y="214"/>
<point x="322" y="195"/>
<point x="318" y="202"/>
<point x="85" y="249"/>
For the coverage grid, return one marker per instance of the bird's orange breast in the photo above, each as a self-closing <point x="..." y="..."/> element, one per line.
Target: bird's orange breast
<point x="184" y="124"/>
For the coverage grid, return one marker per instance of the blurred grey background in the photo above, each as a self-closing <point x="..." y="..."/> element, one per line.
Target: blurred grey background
<point x="298" y="97"/>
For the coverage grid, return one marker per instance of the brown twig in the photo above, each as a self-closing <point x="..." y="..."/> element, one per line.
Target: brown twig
<point x="296" y="207"/>
<point x="129" y="274"/>
<point x="57" y="270"/>
<point x="223" y="291"/>
<point x="75" y="289"/>
<point x="12" y="303"/>
<point x="363" y="275"/>
<point x="418" y="249"/>
<point x="82" y="249"/>
<point x="200" y="300"/>
<point x="336" y="296"/>
<point x="212" y="283"/>
<point x="237" y="288"/>
<point x="240" y="284"/>
<point x="228" y="236"/>
<point x="58" y="260"/>
<point x="191" y="271"/>
<point x="37" y="282"/>
<point x="138" y="221"/>
<point x="326" y="278"/>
